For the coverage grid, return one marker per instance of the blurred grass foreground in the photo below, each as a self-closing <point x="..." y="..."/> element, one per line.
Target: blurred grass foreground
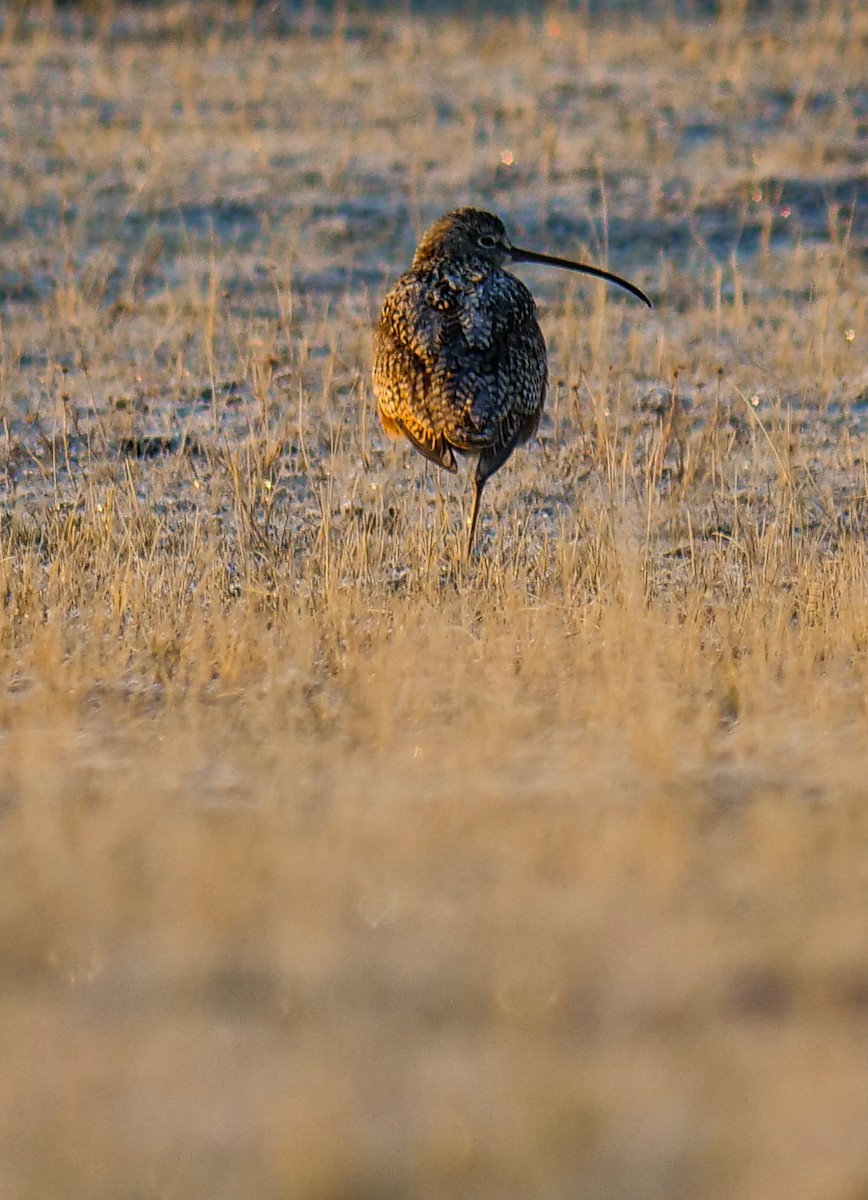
<point x="334" y="868"/>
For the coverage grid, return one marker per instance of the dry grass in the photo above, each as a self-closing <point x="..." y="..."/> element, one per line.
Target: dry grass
<point x="333" y="867"/>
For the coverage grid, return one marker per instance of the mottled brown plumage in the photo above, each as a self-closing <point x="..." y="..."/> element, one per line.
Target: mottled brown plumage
<point x="459" y="357"/>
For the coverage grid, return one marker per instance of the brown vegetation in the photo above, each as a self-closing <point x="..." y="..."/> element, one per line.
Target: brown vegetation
<point x="334" y="867"/>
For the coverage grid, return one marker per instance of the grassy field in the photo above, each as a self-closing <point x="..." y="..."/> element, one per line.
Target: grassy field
<point x="333" y="867"/>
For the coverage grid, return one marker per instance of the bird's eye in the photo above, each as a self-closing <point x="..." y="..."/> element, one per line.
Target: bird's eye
<point x="488" y="240"/>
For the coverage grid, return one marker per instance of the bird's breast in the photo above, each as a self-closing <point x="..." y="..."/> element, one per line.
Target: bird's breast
<point x="462" y="301"/>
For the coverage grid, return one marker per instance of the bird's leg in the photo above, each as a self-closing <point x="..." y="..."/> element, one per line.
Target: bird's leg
<point x="490" y="460"/>
<point x="478" y="485"/>
<point x="438" y="504"/>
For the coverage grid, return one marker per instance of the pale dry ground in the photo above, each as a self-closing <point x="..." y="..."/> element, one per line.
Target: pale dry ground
<point x="330" y="866"/>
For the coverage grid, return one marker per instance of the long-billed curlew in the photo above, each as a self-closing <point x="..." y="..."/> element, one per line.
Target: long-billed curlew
<point x="459" y="357"/>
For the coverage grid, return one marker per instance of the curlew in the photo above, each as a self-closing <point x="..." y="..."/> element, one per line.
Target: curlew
<point x="459" y="357"/>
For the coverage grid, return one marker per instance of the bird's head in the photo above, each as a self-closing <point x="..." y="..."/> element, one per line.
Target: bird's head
<point x="473" y="236"/>
<point x="468" y="235"/>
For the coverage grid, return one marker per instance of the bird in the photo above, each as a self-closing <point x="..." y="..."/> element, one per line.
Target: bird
<point x="460" y="361"/>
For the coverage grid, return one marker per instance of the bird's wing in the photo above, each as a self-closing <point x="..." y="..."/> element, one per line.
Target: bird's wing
<point x="459" y="363"/>
<point x="498" y="387"/>
<point x="407" y="343"/>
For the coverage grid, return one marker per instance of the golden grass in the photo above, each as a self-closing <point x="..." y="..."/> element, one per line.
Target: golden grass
<point x="332" y="866"/>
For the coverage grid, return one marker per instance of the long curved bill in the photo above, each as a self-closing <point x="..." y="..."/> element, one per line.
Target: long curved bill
<point x="516" y="254"/>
